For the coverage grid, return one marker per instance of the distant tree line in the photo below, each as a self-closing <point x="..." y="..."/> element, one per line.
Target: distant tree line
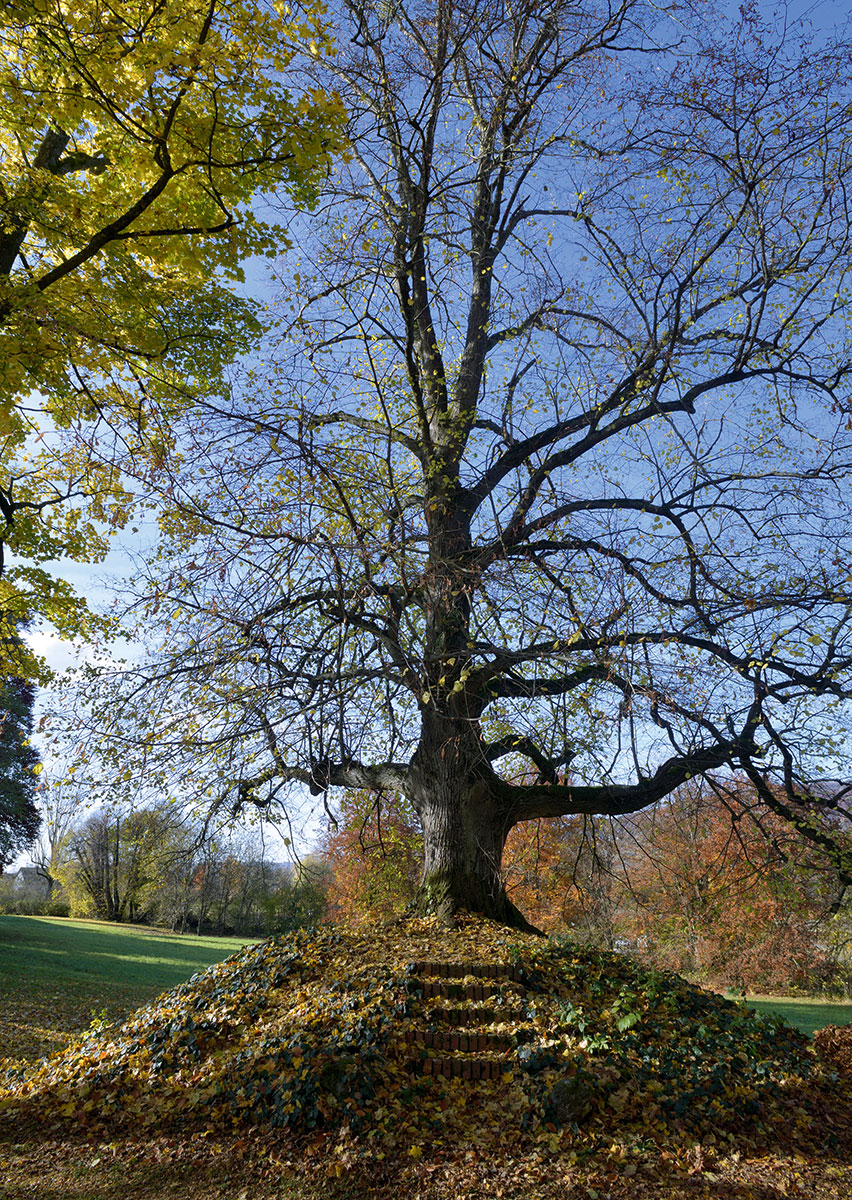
<point x="710" y="882"/>
<point x="149" y="865"/>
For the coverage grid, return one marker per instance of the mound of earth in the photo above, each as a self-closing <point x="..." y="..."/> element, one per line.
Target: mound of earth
<point x="416" y="1035"/>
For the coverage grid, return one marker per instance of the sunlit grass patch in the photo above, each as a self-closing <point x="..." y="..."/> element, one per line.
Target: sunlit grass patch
<point x="805" y="1014"/>
<point x="56" y="974"/>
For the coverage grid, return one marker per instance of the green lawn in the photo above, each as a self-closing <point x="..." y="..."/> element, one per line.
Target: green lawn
<point x="54" y="947"/>
<point x="807" y="1015"/>
<point x="56" y="974"/>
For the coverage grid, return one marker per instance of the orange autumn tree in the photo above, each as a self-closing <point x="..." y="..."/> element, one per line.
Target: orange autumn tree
<point x="560" y="872"/>
<point x="538" y="868"/>
<point x="718" y="886"/>
<point x="374" y="850"/>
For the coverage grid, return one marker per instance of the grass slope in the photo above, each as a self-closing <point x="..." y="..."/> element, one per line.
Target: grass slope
<point x="55" y="974"/>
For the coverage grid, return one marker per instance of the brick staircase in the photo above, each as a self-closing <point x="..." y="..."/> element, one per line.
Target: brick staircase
<point x="460" y="1005"/>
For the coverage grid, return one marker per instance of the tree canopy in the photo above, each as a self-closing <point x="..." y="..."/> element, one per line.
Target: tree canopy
<point x="539" y="503"/>
<point x="136" y="140"/>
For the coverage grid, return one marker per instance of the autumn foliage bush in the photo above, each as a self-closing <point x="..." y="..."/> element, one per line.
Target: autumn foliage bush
<point x="374" y="851"/>
<point x="833" y="1044"/>
<point x="559" y="873"/>
<point x="720" y="888"/>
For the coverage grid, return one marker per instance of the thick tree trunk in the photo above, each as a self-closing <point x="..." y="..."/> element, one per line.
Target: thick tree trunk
<point x="463" y="847"/>
<point x="464" y="829"/>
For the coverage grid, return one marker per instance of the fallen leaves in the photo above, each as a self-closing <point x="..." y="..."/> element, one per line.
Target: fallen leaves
<point x="833" y="1044"/>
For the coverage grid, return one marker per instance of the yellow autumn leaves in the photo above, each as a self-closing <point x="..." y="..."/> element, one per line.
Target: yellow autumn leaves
<point x="134" y="139"/>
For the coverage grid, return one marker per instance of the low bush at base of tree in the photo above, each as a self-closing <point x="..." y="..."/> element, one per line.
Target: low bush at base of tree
<point x="373" y="852"/>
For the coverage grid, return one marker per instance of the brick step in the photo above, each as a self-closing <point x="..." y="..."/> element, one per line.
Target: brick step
<point x="472" y="1042"/>
<point x="463" y="1068"/>
<point x="466" y="1049"/>
<point x="439" y="988"/>
<point x="458" y="970"/>
<point x="479" y="1015"/>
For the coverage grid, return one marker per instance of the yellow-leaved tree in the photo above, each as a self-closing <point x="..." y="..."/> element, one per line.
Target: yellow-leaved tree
<point x="134" y="137"/>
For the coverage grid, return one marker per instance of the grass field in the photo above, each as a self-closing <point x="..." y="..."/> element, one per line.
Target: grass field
<point x="807" y="1015"/>
<point x="56" y="975"/>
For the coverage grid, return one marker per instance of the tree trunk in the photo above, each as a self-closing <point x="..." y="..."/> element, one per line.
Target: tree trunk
<point x="464" y="828"/>
<point x="461" y="870"/>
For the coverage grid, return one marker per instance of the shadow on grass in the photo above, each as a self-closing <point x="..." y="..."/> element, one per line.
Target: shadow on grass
<point x="33" y="946"/>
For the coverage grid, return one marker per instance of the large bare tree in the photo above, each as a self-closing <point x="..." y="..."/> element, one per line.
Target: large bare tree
<point x="539" y="505"/>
